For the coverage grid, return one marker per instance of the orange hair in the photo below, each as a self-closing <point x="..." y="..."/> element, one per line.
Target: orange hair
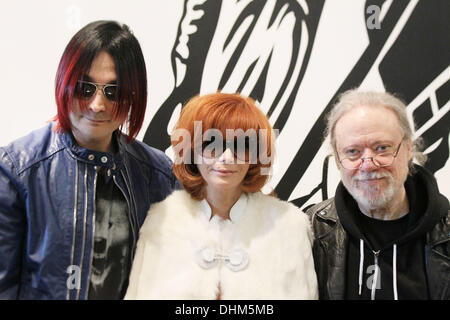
<point x="222" y="111"/>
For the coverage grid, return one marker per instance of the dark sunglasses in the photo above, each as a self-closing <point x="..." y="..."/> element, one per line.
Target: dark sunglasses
<point x="244" y="149"/>
<point x="86" y="90"/>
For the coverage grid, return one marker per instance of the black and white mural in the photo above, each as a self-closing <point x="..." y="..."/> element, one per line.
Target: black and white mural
<point x="293" y="56"/>
<point x="275" y="51"/>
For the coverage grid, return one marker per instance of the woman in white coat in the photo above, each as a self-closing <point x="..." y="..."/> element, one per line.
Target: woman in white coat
<point x="221" y="237"/>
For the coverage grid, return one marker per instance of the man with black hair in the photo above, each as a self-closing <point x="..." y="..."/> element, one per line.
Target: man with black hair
<point x="74" y="194"/>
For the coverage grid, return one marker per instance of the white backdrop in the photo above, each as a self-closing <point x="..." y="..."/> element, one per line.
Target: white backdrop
<point x="35" y="33"/>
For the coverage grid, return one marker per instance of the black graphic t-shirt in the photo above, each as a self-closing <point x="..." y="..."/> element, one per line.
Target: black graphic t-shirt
<point x="111" y="261"/>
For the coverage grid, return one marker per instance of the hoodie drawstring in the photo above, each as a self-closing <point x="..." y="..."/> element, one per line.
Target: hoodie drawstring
<point x="394" y="271"/>
<point x="361" y="263"/>
<point x="375" y="277"/>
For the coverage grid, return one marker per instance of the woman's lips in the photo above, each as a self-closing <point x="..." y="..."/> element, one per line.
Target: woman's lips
<point x="223" y="172"/>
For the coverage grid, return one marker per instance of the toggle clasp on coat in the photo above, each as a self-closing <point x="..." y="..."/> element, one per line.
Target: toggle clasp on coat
<point x="236" y="260"/>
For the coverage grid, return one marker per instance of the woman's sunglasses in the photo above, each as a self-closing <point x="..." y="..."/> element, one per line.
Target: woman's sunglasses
<point x="243" y="148"/>
<point x="86" y="90"/>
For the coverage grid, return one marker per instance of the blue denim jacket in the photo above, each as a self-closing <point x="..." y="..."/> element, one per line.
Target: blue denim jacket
<point x="47" y="208"/>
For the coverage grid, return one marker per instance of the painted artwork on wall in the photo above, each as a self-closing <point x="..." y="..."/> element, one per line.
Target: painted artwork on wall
<point x="276" y="52"/>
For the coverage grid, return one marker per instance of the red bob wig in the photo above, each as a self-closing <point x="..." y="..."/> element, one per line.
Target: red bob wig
<point x="223" y="111"/>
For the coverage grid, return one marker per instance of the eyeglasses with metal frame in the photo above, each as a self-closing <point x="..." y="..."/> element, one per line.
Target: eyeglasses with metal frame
<point x="86" y="90"/>
<point x="383" y="159"/>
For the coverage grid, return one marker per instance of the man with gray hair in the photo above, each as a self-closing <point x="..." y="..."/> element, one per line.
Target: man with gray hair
<point x="385" y="234"/>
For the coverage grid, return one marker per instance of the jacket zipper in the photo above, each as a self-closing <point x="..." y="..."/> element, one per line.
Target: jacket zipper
<point x="93" y="233"/>
<point x="83" y="246"/>
<point x="132" y="216"/>
<point x="75" y="207"/>
<point x="130" y="213"/>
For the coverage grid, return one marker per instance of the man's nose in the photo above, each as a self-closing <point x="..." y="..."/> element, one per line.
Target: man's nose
<point x="98" y="104"/>
<point x="368" y="163"/>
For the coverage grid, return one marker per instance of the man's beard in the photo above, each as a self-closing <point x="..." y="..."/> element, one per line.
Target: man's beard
<point x="372" y="196"/>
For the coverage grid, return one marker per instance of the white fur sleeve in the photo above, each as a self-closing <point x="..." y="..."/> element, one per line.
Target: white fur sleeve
<point x="136" y="271"/>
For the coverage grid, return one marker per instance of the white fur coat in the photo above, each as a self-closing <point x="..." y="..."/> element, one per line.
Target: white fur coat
<point x="276" y="236"/>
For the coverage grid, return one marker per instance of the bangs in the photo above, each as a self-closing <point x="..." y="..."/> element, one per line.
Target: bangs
<point x="232" y="117"/>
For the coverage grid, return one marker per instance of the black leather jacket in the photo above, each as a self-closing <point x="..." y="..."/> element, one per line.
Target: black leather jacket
<point x="330" y="252"/>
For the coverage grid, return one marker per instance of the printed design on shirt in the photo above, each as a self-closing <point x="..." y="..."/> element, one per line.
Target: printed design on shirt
<point x="110" y="263"/>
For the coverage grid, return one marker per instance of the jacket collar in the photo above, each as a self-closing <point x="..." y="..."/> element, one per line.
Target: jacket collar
<point x="95" y="158"/>
<point x="237" y="212"/>
<point x="324" y="210"/>
<point x="440" y="233"/>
